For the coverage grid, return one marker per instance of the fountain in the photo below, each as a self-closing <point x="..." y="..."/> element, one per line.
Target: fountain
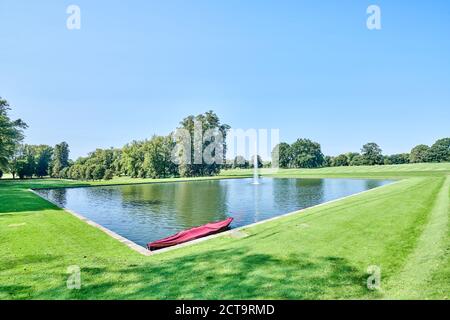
<point x="255" y="166"/>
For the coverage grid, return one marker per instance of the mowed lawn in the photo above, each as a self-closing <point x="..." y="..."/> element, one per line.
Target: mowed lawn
<point x="320" y="253"/>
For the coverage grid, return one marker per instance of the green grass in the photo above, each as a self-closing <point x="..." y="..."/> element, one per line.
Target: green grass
<point x="321" y="253"/>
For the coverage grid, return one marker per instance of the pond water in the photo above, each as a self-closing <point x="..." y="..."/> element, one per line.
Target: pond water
<point x="147" y="212"/>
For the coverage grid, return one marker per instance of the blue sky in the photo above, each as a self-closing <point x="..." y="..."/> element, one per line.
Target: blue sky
<point x="310" y="68"/>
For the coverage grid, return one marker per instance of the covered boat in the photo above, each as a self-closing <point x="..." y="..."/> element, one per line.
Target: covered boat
<point x="191" y="234"/>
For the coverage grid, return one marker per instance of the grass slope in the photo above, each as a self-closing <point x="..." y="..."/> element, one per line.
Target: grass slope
<point x="322" y="253"/>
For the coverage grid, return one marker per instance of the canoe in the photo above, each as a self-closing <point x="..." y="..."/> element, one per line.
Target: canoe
<point x="191" y="234"/>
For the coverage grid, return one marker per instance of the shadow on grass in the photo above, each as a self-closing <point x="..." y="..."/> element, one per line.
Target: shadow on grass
<point x="216" y="274"/>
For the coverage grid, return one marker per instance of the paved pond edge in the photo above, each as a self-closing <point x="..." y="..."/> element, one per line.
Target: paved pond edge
<point x="144" y="251"/>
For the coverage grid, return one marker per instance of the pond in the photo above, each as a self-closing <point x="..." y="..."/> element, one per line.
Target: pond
<point x="147" y="212"/>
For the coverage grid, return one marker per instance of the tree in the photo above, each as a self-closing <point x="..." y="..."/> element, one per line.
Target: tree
<point x="259" y="159"/>
<point x="109" y="174"/>
<point x="341" y="161"/>
<point x="23" y="162"/>
<point x="240" y="162"/>
<point x="1" y="173"/>
<point x="328" y="161"/>
<point x="98" y="172"/>
<point x="133" y="157"/>
<point x="372" y="154"/>
<point x="64" y="174"/>
<point x="419" y="154"/>
<point x="20" y="168"/>
<point x="43" y="158"/>
<point x="11" y="134"/>
<point x="157" y="157"/>
<point x="30" y="163"/>
<point x="357" y="160"/>
<point x="116" y="165"/>
<point x="306" y="154"/>
<point x="440" y="151"/>
<point x="397" y="159"/>
<point x="350" y="156"/>
<point x="60" y="159"/>
<point x="204" y="145"/>
<point x="283" y="153"/>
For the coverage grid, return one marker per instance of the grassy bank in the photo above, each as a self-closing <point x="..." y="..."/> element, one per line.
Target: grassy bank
<point x="322" y="253"/>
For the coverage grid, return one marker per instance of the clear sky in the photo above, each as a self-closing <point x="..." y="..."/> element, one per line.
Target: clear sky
<point x="310" y="68"/>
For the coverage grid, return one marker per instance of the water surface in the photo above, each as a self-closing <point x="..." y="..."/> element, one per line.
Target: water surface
<point x="148" y="212"/>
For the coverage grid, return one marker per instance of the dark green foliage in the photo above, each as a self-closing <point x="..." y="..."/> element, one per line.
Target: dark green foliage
<point x="260" y="162"/>
<point x="158" y="158"/>
<point x="98" y="172"/>
<point x="34" y="160"/>
<point x="20" y="168"/>
<point x="43" y="158"/>
<point x="397" y="159"/>
<point x="192" y="158"/>
<point x="148" y="159"/>
<point x="109" y="174"/>
<point x="419" y="154"/>
<point x="60" y="159"/>
<point x="306" y="154"/>
<point x="372" y="154"/>
<point x="98" y="165"/>
<point x="357" y="160"/>
<point x="240" y="162"/>
<point x="341" y="161"/>
<point x="440" y="151"/>
<point x="11" y="134"/>
<point x="133" y="157"/>
<point x="303" y="153"/>
<point x="282" y="155"/>
<point x="328" y="161"/>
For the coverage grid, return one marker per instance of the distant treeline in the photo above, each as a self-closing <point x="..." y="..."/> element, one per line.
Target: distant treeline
<point x="151" y="158"/>
<point x="154" y="157"/>
<point x="305" y="153"/>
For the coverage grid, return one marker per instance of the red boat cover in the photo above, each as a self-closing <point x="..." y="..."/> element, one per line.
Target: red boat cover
<point x="191" y="234"/>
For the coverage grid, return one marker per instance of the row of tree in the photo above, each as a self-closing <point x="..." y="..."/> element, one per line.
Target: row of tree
<point x="200" y="137"/>
<point x="158" y="157"/>
<point x="305" y="153"/>
<point x="139" y="159"/>
<point x="27" y="160"/>
<point x="239" y="162"/>
<point x="39" y="161"/>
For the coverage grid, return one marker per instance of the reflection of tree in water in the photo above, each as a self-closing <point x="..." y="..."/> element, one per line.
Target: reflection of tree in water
<point x="188" y="203"/>
<point x="59" y="196"/>
<point x="145" y="195"/>
<point x="296" y="194"/>
<point x="198" y="203"/>
<point x="370" y="184"/>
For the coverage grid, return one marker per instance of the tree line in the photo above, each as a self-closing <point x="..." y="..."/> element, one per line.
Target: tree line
<point x="150" y="158"/>
<point x="155" y="157"/>
<point x="305" y="153"/>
